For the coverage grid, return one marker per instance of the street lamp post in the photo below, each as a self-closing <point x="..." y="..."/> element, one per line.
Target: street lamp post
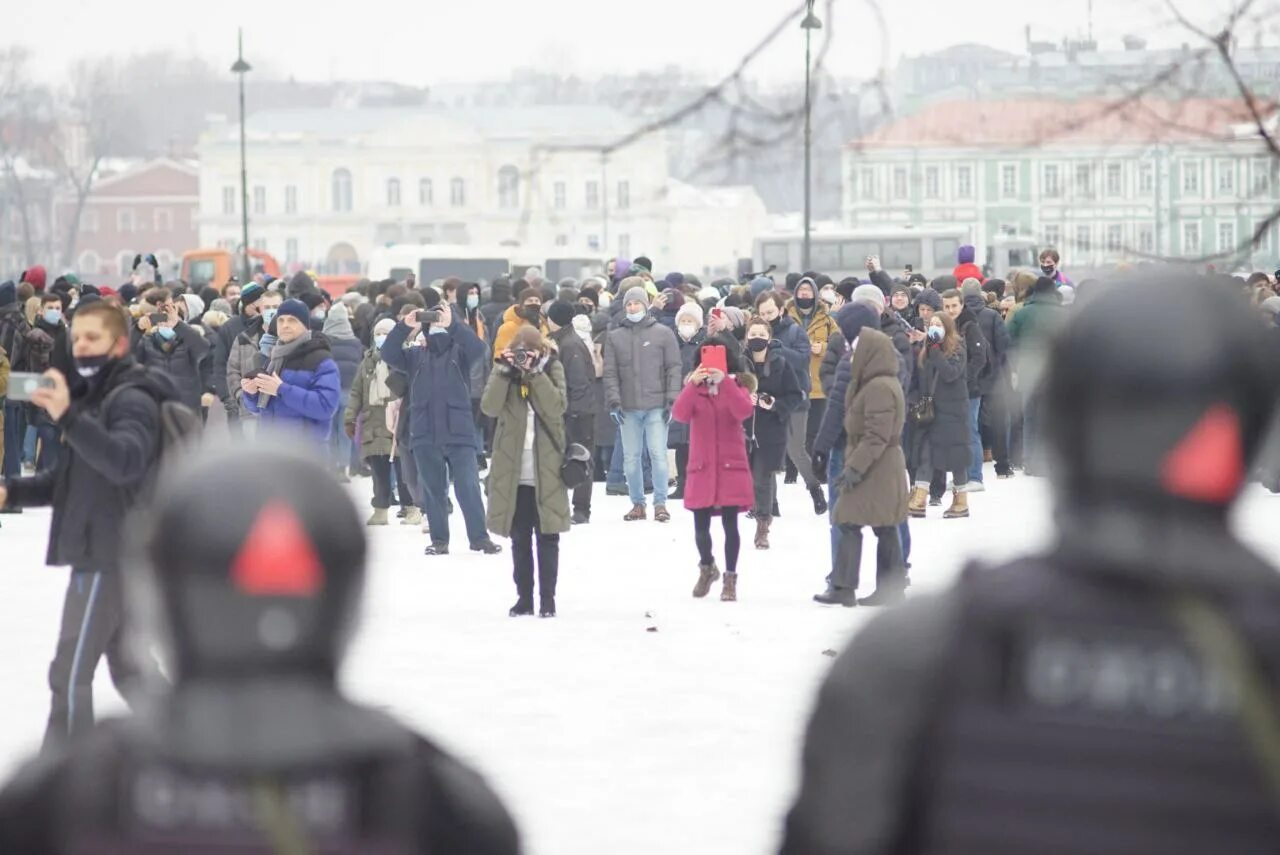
<point x="241" y="68"/>
<point x="809" y="24"/>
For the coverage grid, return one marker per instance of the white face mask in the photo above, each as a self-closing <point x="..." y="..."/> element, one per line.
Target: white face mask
<point x="688" y="331"/>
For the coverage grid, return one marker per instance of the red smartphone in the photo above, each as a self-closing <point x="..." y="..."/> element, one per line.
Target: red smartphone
<point x="713" y="356"/>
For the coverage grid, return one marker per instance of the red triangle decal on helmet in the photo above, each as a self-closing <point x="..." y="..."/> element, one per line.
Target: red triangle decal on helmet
<point x="1208" y="464"/>
<point x="277" y="557"/>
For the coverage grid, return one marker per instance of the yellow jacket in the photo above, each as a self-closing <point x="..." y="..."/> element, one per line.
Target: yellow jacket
<point x="819" y="328"/>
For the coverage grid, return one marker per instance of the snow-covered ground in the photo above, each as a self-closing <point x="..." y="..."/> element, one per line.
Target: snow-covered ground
<point x="602" y="735"/>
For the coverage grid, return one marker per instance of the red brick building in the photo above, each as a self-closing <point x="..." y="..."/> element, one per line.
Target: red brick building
<point x="151" y="207"/>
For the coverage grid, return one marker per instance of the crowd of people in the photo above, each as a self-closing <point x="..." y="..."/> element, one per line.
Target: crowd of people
<point x="893" y="392"/>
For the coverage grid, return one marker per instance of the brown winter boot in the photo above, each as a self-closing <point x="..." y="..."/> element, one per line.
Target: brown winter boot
<point x="637" y="512"/>
<point x="707" y="574"/>
<point x="918" y="502"/>
<point x="729" y="593"/>
<point x="762" y="532"/>
<point x="959" y="506"/>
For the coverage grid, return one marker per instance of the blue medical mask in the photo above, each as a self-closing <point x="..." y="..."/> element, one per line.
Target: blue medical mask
<point x="268" y="315"/>
<point x="165" y="333"/>
<point x="266" y="344"/>
<point x="473" y="301"/>
<point x="319" y="314"/>
<point x="52" y="316"/>
<point x="379" y="341"/>
<point x="436" y="331"/>
<point x="636" y="317"/>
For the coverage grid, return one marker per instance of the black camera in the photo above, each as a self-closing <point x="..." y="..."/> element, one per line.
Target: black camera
<point x="428" y="316"/>
<point x="520" y="357"/>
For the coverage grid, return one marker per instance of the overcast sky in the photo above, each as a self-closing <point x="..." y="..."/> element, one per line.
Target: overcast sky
<point x="423" y="41"/>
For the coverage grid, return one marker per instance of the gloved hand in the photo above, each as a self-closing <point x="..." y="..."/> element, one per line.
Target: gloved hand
<point x="847" y="480"/>
<point x="617" y="417"/>
<point x="666" y="416"/>
<point x="821" y="459"/>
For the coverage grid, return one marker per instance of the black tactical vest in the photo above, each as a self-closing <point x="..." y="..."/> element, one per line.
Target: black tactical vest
<point x="117" y="800"/>
<point x="1076" y="718"/>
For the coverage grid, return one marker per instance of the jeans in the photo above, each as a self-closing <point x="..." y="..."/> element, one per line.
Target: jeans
<point x="339" y="442"/>
<point x="835" y="465"/>
<point x="616" y="476"/>
<point x="524" y="534"/>
<point x="15" y="429"/>
<point x="975" y="440"/>
<point x="645" y="430"/>
<point x="433" y="478"/>
<point x="1031" y="461"/>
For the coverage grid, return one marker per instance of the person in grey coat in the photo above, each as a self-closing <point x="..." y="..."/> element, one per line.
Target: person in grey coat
<point x="245" y="356"/>
<point x="580" y="393"/>
<point x="642" y="380"/>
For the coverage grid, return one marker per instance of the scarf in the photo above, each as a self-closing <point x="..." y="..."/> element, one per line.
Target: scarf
<point x="281" y="352"/>
<point x="379" y="392"/>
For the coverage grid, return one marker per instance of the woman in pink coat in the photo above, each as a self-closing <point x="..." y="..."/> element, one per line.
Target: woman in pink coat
<point x="719" y="477"/>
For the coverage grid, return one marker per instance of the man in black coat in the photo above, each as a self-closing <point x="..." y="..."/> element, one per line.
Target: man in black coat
<point x="582" y="404"/>
<point x="996" y="386"/>
<point x="1113" y="693"/>
<point x="492" y="311"/>
<point x="111" y="431"/>
<point x="179" y="350"/>
<point x="255" y="748"/>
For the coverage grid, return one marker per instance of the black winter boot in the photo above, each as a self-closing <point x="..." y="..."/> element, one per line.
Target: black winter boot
<point x="547" y="607"/>
<point x="819" y="500"/>
<point x="834" y="596"/>
<point x="523" y="606"/>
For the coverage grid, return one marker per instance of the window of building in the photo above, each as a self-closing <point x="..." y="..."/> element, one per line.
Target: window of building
<point x="560" y="195"/>
<point x="1049" y="183"/>
<point x="932" y="183"/>
<point x="1115" y="179"/>
<point x="508" y="187"/>
<point x="124" y="263"/>
<point x="562" y="240"/>
<point x="259" y="199"/>
<point x="340" y="189"/>
<point x="260" y="244"/>
<point x="1008" y="180"/>
<point x="1226" y="178"/>
<point x="458" y="193"/>
<point x="290" y="199"/>
<point x="1146" y="179"/>
<point x="1084" y="239"/>
<point x="162" y="219"/>
<point x="124" y="220"/>
<point x="1147" y="239"/>
<point x="593" y="195"/>
<point x="899" y="182"/>
<point x="228" y="200"/>
<point x="291" y="250"/>
<point x="1261" y="173"/>
<point x="89" y="263"/>
<point x="88" y="221"/>
<point x="624" y="246"/>
<point x="593" y="243"/>
<point x="1053" y="235"/>
<point x="1191" y="176"/>
<point x="1084" y="180"/>
<point x="869" y="188"/>
<point x="426" y="193"/>
<point x="624" y="194"/>
<point x="964" y="182"/>
<point x="393" y="192"/>
<point x="1226" y="237"/>
<point x="1190" y="238"/>
<point x="1115" y="238"/>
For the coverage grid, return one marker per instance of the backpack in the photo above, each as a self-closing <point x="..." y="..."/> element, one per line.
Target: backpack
<point x="180" y="426"/>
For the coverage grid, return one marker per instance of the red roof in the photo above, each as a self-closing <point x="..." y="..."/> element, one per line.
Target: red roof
<point x="1029" y="122"/>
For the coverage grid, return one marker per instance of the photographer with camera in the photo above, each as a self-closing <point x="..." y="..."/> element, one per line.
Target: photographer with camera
<point x="441" y="431"/>
<point x="528" y="501"/>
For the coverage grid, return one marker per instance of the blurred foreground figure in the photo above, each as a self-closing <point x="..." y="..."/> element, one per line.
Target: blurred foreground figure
<point x="1117" y="694"/>
<point x="254" y="750"/>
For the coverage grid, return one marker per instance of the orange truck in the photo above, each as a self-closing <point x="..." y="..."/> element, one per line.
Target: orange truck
<point x="201" y="267"/>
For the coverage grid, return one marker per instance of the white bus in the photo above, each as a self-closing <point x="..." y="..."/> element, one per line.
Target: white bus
<point x="475" y="263"/>
<point x="928" y="251"/>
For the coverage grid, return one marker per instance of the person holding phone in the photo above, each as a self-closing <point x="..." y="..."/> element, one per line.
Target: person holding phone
<point x="300" y="387"/>
<point x="714" y="405"/>
<point x="778" y="394"/>
<point x="172" y="346"/>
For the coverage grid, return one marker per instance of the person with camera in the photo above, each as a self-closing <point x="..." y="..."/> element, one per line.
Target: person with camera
<point x="299" y="388"/>
<point x="778" y="394"/>
<point x="940" y="417"/>
<point x="111" y="434"/>
<point x="441" y="431"/>
<point x="528" y="502"/>
<point x="174" y="347"/>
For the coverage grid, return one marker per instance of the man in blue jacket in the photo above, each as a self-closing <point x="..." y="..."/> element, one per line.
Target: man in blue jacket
<point x="300" y="388"/>
<point x="441" y="429"/>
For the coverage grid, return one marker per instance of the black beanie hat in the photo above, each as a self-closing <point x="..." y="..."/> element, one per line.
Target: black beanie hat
<point x="128" y="293"/>
<point x="312" y="299"/>
<point x="251" y="294"/>
<point x="560" y="313"/>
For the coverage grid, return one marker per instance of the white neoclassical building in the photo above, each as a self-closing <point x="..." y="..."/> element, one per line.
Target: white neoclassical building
<point x="327" y="186"/>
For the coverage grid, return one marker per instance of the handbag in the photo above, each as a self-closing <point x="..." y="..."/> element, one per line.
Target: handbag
<point x="922" y="412"/>
<point x="575" y="469"/>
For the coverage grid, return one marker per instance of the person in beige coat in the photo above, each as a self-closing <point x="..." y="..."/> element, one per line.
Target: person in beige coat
<point x="872" y="487"/>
